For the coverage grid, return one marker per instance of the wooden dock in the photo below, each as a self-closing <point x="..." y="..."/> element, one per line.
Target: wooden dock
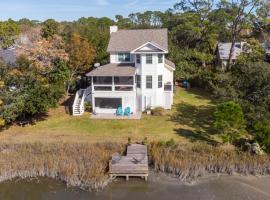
<point x="134" y="164"/>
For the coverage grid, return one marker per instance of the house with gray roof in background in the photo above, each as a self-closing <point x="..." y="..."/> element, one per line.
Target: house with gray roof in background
<point x="8" y="55"/>
<point x="223" y="52"/>
<point x="138" y="77"/>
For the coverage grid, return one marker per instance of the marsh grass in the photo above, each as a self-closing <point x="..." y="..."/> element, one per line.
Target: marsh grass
<point x="192" y="161"/>
<point x="85" y="165"/>
<point x="82" y="165"/>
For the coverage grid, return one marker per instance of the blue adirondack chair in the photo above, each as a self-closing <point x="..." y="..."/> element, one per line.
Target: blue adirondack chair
<point x="119" y="111"/>
<point x="127" y="111"/>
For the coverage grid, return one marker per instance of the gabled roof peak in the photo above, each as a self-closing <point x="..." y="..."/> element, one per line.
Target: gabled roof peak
<point x="126" y="40"/>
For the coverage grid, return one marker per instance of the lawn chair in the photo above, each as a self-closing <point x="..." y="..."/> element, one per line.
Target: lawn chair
<point x="127" y="111"/>
<point x="119" y="111"/>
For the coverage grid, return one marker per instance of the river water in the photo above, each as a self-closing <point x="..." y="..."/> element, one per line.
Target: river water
<point x="157" y="188"/>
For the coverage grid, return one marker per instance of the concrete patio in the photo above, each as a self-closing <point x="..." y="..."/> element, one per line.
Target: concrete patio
<point x="135" y="116"/>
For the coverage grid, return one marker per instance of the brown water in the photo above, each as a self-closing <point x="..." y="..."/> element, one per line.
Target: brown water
<point x="158" y="188"/>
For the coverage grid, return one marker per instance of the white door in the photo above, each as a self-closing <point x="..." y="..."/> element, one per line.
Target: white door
<point x="147" y="102"/>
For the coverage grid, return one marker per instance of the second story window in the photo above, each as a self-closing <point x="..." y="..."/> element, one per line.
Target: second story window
<point x="124" y="57"/>
<point x="149" y="82"/>
<point x="160" y="58"/>
<point x="138" y="79"/>
<point x="160" y="82"/>
<point x="149" y="59"/>
<point x="138" y="58"/>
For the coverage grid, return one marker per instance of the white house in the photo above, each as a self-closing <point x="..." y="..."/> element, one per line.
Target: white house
<point x="138" y="76"/>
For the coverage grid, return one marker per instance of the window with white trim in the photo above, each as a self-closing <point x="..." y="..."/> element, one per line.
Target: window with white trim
<point x="149" y="80"/>
<point x="160" y="81"/>
<point x="160" y="58"/>
<point x="149" y="59"/>
<point x="124" y="57"/>
<point x="138" y="58"/>
<point x="138" y="81"/>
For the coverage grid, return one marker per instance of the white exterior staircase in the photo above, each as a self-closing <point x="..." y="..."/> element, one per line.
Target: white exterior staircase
<point x="80" y="98"/>
<point x="78" y="105"/>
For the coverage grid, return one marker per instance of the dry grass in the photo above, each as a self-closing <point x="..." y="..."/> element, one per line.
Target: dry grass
<point x="82" y="165"/>
<point x="191" y="161"/>
<point x="86" y="165"/>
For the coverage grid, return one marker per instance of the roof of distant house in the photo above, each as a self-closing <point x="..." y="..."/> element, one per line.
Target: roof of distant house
<point x="8" y="55"/>
<point x="266" y="47"/>
<point x="128" y="40"/>
<point x="114" y="70"/>
<point x="224" y="50"/>
<point x="170" y="63"/>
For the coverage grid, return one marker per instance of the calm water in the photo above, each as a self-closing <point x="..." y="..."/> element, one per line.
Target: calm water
<point x="223" y="188"/>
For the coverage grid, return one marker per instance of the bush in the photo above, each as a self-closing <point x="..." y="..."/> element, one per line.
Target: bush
<point x="229" y="121"/>
<point x="262" y="130"/>
<point x="159" y="111"/>
<point x="88" y="107"/>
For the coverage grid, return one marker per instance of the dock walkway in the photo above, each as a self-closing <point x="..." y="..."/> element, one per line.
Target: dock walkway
<point x="134" y="164"/>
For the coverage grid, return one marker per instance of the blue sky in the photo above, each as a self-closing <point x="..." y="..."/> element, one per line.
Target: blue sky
<point x="74" y="9"/>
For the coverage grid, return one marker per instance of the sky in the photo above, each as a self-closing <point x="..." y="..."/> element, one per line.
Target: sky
<point x="62" y="10"/>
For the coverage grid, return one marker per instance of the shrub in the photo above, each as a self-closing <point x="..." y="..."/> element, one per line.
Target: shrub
<point x="88" y="107"/>
<point x="262" y="130"/>
<point x="229" y="121"/>
<point x="159" y="111"/>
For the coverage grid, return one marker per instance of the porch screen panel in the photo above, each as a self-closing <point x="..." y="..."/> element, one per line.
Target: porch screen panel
<point x="108" y="103"/>
<point x="102" y="80"/>
<point x="123" y="80"/>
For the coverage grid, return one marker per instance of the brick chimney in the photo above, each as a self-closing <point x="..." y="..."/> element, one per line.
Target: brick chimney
<point x="113" y="29"/>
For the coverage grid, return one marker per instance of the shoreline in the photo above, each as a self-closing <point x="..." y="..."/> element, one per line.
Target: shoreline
<point x="86" y="165"/>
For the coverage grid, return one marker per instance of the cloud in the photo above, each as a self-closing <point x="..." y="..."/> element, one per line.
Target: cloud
<point x="132" y="3"/>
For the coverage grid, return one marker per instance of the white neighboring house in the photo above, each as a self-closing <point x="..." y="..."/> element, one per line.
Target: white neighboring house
<point x="138" y="75"/>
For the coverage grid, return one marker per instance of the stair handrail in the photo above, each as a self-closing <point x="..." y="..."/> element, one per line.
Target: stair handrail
<point x="82" y="101"/>
<point x="75" y="101"/>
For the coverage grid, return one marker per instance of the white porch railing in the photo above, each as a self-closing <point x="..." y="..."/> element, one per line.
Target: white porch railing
<point x="78" y="104"/>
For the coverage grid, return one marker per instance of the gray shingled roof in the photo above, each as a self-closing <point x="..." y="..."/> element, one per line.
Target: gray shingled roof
<point x="128" y="40"/>
<point x="266" y="47"/>
<point x="114" y="70"/>
<point x="8" y="55"/>
<point x="170" y="63"/>
<point x="224" y="50"/>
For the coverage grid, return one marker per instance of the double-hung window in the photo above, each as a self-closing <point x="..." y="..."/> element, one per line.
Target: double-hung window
<point x="160" y="81"/>
<point x="160" y="58"/>
<point x="149" y="83"/>
<point x="138" y="58"/>
<point x="138" y="80"/>
<point x="149" y="59"/>
<point x="124" y="57"/>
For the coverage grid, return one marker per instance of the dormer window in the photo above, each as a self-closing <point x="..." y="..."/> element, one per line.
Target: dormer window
<point x="124" y="57"/>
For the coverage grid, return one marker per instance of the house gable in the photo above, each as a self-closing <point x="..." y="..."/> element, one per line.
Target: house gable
<point x="149" y="47"/>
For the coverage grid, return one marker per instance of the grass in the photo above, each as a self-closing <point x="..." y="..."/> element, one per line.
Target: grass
<point x="192" y="161"/>
<point x="189" y="120"/>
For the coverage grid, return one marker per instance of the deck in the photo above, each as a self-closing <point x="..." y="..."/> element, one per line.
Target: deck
<point x="135" y="116"/>
<point x="134" y="164"/>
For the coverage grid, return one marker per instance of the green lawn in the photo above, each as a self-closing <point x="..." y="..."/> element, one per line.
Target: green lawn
<point x="189" y="120"/>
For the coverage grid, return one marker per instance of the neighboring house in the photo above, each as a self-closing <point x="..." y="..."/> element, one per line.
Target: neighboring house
<point x="138" y="75"/>
<point x="8" y="55"/>
<point x="266" y="47"/>
<point x="223" y="52"/>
